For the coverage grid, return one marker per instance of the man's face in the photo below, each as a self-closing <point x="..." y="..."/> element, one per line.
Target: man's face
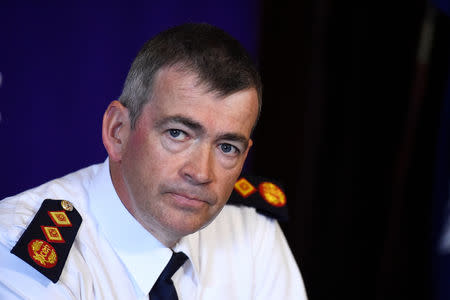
<point x="183" y="157"/>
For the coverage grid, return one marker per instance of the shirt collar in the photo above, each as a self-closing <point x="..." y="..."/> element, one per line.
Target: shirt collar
<point x="191" y="247"/>
<point x="142" y="254"/>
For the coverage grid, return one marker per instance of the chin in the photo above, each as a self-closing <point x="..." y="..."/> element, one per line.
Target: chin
<point x="187" y="225"/>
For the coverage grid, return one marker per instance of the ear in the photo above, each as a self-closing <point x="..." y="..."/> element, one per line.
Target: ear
<point x="250" y="144"/>
<point x="115" y="130"/>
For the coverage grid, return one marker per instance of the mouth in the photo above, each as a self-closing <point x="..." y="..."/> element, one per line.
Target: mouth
<point x="184" y="196"/>
<point x="188" y="201"/>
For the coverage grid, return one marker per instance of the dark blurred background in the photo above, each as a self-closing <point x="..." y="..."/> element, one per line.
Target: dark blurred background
<point x="355" y="120"/>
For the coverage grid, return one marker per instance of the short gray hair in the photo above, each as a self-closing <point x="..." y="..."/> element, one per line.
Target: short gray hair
<point x="219" y="61"/>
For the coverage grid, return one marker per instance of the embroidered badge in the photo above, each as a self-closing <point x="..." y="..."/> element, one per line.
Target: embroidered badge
<point x="42" y="253"/>
<point x="59" y="218"/>
<point x="244" y="187"/>
<point x="47" y="241"/>
<point x="52" y="234"/>
<point x="272" y="194"/>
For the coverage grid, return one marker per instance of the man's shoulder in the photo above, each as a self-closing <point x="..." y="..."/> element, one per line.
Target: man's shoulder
<point x="236" y="224"/>
<point x="16" y="212"/>
<point x="246" y="215"/>
<point x="255" y="205"/>
<point x="251" y="215"/>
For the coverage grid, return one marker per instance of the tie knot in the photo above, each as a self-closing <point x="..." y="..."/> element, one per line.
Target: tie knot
<point x="175" y="262"/>
<point x="163" y="289"/>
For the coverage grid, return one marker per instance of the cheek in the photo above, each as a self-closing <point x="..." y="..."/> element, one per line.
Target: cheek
<point x="227" y="185"/>
<point x="138" y="154"/>
<point x="228" y="175"/>
<point x="150" y="157"/>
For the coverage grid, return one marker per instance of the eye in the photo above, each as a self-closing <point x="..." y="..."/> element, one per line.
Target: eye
<point x="177" y="134"/>
<point x="229" y="149"/>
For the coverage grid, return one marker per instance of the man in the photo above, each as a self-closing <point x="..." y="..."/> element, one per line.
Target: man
<point x="176" y="142"/>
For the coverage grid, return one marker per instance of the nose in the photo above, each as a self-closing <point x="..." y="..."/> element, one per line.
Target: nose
<point x="198" y="169"/>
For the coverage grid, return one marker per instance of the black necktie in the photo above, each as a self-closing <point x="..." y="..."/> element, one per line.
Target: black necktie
<point x="163" y="289"/>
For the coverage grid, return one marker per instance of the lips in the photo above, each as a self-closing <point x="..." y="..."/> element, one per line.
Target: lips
<point x="189" y="195"/>
<point x="187" y="202"/>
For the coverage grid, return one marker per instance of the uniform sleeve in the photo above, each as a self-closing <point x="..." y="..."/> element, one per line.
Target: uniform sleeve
<point x="13" y="284"/>
<point x="276" y="271"/>
<point x="18" y="280"/>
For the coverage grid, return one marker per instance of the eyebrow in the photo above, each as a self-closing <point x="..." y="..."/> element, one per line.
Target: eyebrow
<point x="186" y="121"/>
<point x="200" y="129"/>
<point x="235" y="137"/>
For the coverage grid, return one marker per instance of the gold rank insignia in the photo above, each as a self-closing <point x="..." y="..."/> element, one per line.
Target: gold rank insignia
<point x="272" y="194"/>
<point x="46" y="242"/>
<point x="244" y="187"/>
<point x="42" y="253"/>
<point x="59" y="218"/>
<point x="52" y="234"/>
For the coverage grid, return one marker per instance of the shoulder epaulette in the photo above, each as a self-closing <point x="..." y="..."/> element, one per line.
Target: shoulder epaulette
<point x="46" y="242"/>
<point x="266" y="196"/>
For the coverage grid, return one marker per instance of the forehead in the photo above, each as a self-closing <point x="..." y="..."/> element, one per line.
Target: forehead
<point x="178" y="92"/>
<point x="177" y="80"/>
